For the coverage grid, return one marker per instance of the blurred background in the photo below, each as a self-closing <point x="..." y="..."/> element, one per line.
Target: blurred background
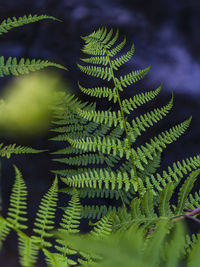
<point x="166" y="36"/>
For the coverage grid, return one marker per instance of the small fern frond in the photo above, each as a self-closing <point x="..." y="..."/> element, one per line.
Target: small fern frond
<point x="18" y="202"/>
<point x="4" y="230"/>
<point x="185" y="190"/>
<point x="71" y="218"/>
<point x="11" y="66"/>
<point x="44" y="221"/>
<point x="139" y="99"/>
<point x="10" y="23"/>
<point x="148" y="205"/>
<point x="28" y="252"/>
<point x="164" y="200"/>
<point x="70" y="223"/>
<point x="7" y="151"/>
<point x="193" y="200"/>
<point x="103" y="227"/>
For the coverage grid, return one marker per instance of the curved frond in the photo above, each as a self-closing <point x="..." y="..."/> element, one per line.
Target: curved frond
<point x="10" y="23"/>
<point x="12" y="66"/>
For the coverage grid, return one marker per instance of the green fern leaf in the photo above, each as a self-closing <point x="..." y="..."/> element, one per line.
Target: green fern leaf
<point x="7" y="151"/>
<point x="100" y="92"/>
<point x="173" y="174"/>
<point x="165" y="196"/>
<point x="45" y="216"/>
<point x="139" y="99"/>
<point x="11" y="66"/>
<point x="28" y="252"/>
<point x="140" y="124"/>
<point x="107" y="117"/>
<point x="185" y="190"/>
<point x="130" y="78"/>
<point x="18" y="202"/>
<point x="14" y="22"/>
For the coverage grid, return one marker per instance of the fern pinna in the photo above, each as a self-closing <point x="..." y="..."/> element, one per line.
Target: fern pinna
<point x="102" y="146"/>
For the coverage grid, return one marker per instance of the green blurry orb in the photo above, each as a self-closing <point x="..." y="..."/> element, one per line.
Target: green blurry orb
<point x="26" y="105"/>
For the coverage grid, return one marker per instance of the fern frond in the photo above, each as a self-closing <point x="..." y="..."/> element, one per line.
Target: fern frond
<point x="4" y="230"/>
<point x="71" y="218"/>
<point x="105" y="116"/>
<point x="70" y="223"/>
<point x="100" y="92"/>
<point x="11" y="66"/>
<point x="98" y="178"/>
<point x="131" y="78"/>
<point x="193" y="200"/>
<point x="147" y="120"/>
<point x="103" y="145"/>
<point x="103" y="228"/>
<point x="139" y="99"/>
<point x="157" y="144"/>
<point x="164" y="200"/>
<point x="7" y="151"/>
<point x="148" y="205"/>
<point x="96" y="41"/>
<point x="99" y="72"/>
<point x="151" y="167"/>
<point x="173" y="174"/>
<point x="28" y="252"/>
<point x="56" y="259"/>
<point x="112" y="52"/>
<point x="18" y="202"/>
<point x="185" y="190"/>
<point x="44" y="221"/>
<point x="118" y="62"/>
<point x="10" y="23"/>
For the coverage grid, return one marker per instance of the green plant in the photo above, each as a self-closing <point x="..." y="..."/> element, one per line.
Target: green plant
<point x="142" y="228"/>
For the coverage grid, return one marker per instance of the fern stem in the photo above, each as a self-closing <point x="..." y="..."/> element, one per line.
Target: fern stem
<point x="123" y="117"/>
